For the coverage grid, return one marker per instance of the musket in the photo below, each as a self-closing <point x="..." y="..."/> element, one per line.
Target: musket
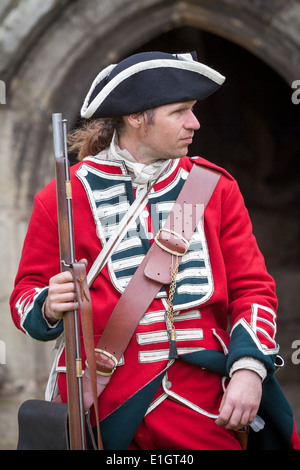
<point x="77" y="432"/>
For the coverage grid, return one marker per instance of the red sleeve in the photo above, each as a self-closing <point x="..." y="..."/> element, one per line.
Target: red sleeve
<point x="251" y="290"/>
<point x="39" y="261"/>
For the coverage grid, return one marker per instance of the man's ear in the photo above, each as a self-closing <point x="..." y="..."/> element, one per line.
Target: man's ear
<point x="135" y="120"/>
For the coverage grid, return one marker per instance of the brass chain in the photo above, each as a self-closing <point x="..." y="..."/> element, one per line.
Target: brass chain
<point x="170" y="312"/>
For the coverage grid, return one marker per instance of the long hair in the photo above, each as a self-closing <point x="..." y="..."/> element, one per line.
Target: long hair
<point x="94" y="136"/>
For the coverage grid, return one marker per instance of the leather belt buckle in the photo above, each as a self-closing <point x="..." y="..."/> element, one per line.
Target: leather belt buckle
<point x="174" y="243"/>
<point x="104" y="367"/>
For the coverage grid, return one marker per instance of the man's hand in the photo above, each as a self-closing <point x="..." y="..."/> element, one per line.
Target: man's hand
<point x="241" y="400"/>
<point x="61" y="297"/>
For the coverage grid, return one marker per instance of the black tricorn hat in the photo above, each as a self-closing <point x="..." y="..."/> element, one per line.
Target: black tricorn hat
<point x="148" y="80"/>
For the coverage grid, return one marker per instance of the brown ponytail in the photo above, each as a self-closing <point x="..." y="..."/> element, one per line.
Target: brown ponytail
<point x="94" y="136"/>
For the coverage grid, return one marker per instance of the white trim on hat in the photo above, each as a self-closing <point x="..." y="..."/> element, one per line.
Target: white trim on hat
<point x="192" y="66"/>
<point x="104" y="73"/>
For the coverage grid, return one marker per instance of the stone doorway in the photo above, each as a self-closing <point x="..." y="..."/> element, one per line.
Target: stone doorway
<point x="50" y="52"/>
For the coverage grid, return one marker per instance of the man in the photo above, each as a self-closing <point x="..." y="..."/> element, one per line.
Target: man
<point x="141" y="124"/>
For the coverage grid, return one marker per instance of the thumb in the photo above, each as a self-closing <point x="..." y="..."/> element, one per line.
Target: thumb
<point x="83" y="260"/>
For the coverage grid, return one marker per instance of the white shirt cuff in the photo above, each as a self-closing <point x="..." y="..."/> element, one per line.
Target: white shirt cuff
<point x="250" y="364"/>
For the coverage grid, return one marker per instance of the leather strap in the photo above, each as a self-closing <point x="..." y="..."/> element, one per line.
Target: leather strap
<point x="85" y="305"/>
<point x="152" y="274"/>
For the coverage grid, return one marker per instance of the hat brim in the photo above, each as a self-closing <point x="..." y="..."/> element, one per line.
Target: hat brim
<point x="149" y="84"/>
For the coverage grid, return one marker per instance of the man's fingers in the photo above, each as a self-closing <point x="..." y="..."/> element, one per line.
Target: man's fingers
<point x="225" y="412"/>
<point x="232" y="418"/>
<point x="61" y="278"/>
<point x="235" y="418"/>
<point x="61" y="296"/>
<point x="61" y="289"/>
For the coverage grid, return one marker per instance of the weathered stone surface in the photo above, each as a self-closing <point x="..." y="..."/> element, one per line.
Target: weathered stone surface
<point x="49" y="53"/>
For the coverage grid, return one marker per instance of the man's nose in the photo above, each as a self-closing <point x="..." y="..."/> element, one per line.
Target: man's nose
<point x="192" y="122"/>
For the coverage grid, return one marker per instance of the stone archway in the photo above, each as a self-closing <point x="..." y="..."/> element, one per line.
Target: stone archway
<point x="51" y="66"/>
<point x="85" y="36"/>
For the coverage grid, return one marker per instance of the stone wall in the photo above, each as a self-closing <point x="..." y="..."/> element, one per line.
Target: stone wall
<point x="49" y="52"/>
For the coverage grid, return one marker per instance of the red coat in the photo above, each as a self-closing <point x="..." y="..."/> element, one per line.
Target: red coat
<point x="223" y="276"/>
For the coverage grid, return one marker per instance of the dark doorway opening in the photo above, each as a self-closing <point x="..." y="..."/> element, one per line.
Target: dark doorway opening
<point x="251" y="128"/>
<point x="250" y="125"/>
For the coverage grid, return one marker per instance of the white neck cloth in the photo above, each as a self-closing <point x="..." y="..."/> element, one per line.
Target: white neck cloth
<point x="141" y="173"/>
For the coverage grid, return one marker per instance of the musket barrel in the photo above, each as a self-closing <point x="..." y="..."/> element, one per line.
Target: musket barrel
<point x="58" y="136"/>
<point x="67" y="257"/>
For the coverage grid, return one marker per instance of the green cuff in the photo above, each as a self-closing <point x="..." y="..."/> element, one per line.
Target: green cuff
<point x="242" y="345"/>
<point x="35" y="324"/>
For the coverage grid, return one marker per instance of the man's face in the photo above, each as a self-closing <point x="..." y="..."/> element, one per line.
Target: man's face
<point x="169" y="133"/>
